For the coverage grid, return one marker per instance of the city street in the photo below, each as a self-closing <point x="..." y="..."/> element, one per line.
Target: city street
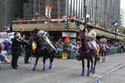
<point x="67" y="27"/>
<point x="65" y="71"/>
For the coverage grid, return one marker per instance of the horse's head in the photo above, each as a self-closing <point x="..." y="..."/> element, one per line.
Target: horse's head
<point x="82" y="36"/>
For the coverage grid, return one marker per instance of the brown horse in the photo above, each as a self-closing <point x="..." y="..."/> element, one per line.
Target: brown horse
<point x="86" y="53"/>
<point x="103" y="50"/>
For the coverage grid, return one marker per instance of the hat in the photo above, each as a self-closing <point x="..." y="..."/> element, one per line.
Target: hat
<point x="35" y="30"/>
<point x="17" y="34"/>
<point x="92" y="34"/>
<point x="104" y="40"/>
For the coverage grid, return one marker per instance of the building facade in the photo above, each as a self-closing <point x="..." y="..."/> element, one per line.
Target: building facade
<point x="10" y="10"/>
<point x="39" y="6"/>
<point x="101" y="12"/>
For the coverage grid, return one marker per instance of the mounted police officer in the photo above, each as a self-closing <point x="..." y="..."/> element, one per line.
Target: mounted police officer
<point x="91" y="37"/>
<point x="16" y="42"/>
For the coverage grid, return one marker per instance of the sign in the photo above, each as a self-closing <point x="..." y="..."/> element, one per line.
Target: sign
<point x="69" y="34"/>
<point x="64" y="56"/>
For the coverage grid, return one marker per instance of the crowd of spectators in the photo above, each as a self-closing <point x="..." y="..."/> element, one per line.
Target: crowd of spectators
<point x="72" y="48"/>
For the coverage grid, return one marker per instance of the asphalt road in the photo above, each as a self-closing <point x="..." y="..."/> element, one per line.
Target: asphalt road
<point x="65" y="71"/>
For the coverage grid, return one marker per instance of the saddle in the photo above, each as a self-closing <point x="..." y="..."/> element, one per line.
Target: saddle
<point x="93" y="47"/>
<point x="92" y="50"/>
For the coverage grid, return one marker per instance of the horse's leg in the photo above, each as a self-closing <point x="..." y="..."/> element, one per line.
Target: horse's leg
<point x="44" y="61"/>
<point x="51" y="61"/>
<point x="101" y="56"/>
<point x="95" y="59"/>
<point x="37" y="58"/>
<point x="91" y="59"/>
<point x="104" y="56"/>
<point x="83" y="68"/>
<point x="88" y="65"/>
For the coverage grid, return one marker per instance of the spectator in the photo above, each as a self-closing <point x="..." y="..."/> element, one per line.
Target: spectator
<point x="59" y="46"/>
<point x="7" y="46"/>
<point x="3" y="57"/>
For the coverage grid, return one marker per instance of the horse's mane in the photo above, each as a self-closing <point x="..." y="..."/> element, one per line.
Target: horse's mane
<point x="84" y="44"/>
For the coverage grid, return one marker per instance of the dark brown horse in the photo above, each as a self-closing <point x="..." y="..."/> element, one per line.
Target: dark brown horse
<point x="43" y="49"/>
<point x="103" y="51"/>
<point x="87" y="53"/>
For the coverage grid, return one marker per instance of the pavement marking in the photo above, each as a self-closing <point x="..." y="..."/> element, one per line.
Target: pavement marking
<point x="115" y="68"/>
<point x="97" y="75"/>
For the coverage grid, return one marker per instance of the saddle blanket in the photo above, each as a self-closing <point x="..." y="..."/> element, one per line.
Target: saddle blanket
<point x="94" y="47"/>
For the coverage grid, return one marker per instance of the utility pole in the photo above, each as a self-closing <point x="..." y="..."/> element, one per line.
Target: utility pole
<point x="96" y="7"/>
<point x="58" y="7"/>
<point x="85" y="11"/>
<point x="105" y="13"/>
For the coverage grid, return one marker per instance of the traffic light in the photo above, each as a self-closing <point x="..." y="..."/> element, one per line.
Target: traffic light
<point x="66" y="24"/>
<point x="78" y="24"/>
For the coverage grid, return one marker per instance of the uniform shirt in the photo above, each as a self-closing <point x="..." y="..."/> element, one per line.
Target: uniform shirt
<point x="16" y="43"/>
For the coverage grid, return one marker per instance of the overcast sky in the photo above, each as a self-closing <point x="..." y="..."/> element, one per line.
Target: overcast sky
<point x="123" y="4"/>
<point x="123" y="16"/>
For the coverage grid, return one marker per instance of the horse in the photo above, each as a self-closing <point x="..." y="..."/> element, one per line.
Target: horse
<point x="86" y="53"/>
<point x="103" y="49"/>
<point x="43" y="49"/>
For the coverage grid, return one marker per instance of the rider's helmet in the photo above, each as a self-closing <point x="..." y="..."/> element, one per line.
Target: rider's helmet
<point x="42" y="33"/>
<point x="35" y="31"/>
<point x="92" y="34"/>
<point x="104" y="40"/>
<point x="101" y="40"/>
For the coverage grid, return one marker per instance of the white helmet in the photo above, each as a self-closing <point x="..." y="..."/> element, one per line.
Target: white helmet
<point x="18" y="34"/>
<point x="101" y="40"/>
<point x="42" y="33"/>
<point x="104" y="40"/>
<point x="92" y="34"/>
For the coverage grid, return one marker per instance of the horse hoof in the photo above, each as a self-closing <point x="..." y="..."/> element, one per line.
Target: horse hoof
<point x="50" y="67"/>
<point x="82" y="74"/>
<point x="90" y="70"/>
<point x="93" y="72"/>
<point x="33" y="69"/>
<point x="88" y="75"/>
<point x="43" y="69"/>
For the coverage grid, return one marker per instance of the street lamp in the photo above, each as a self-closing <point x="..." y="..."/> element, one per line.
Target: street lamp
<point x="115" y="25"/>
<point x="87" y="20"/>
<point x="96" y="7"/>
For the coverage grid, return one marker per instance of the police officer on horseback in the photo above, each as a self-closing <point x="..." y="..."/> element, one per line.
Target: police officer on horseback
<point x="91" y="37"/>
